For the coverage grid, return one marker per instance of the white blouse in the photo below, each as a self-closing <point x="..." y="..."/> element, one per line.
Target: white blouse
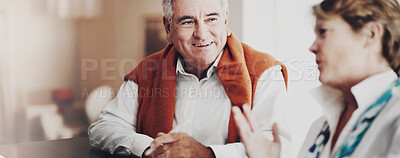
<point x="382" y="139"/>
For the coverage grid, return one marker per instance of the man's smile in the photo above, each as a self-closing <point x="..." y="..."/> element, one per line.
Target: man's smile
<point x="202" y="45"/>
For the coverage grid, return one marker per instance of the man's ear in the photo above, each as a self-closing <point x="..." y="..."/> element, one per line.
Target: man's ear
<point x="374" y="32"/>
<point x="167" y="27"/>
<point x="228" y="31"/>
<point x="226" y="18"/>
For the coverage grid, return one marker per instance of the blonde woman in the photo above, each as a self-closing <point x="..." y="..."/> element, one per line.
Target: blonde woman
<point x="357" y="51"/>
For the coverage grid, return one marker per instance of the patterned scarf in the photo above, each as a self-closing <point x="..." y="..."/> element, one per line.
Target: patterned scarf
<point x="357" y="133"/>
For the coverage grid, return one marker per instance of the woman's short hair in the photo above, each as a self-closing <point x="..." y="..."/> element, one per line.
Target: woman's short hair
<point x="357" y="13"/>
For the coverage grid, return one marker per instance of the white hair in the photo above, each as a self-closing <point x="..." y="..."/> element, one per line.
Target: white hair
<point x="168" y="12"/>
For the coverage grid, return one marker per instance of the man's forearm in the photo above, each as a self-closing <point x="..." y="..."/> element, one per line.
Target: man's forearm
<point x="108" y="136"/>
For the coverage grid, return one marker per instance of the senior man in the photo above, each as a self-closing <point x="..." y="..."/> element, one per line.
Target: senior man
<point x="179" y="100"/>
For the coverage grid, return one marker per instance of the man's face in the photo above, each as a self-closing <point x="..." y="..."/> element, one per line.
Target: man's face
<point x="198" y="30"/>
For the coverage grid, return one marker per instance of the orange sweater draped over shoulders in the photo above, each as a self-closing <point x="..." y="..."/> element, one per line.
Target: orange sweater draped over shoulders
<point x="239" y="70"/>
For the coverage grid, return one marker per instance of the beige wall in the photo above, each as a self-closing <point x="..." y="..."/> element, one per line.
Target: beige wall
<point x="236" y="17"/>
<point x="40" y="55"/>
<point x="111" y="45"/>
<point x="44" y="50"/>
<point x="96" y="41"/>
<point x="3" y="48"/>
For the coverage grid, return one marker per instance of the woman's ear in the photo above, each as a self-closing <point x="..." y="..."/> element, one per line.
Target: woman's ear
<point x="167" y="27"/>
<point x="374" y="31"/>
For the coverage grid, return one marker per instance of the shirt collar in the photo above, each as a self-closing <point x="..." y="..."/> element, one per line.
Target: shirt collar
<point x="210" y="71"/>
<point x="366" y="93"/>
<point x="329" y="99"/>
<point x="375" y="85"/>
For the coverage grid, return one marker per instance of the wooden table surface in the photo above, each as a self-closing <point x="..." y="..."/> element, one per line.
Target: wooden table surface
<point x="65" y="148"/>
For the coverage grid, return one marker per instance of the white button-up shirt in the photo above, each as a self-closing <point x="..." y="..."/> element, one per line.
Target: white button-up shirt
<point x="382" y="139"/>
<point x="202" y="110"/>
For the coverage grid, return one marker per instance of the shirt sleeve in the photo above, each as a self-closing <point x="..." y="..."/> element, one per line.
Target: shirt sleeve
<point x="117" y="123"/>
<point x="268" y="108"/>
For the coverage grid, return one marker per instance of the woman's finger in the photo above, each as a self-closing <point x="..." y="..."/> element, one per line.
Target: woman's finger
<point x="275" y="132"/>
<point x="252" y="120"/>
<point x="241" y="123"/>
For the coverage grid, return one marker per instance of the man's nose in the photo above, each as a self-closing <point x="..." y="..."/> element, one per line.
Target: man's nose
<point x="201" y="31"/>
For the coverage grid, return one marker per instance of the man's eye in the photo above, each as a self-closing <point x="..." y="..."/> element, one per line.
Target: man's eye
<point x="187" y="22"/>
<point x="212" y="19"/>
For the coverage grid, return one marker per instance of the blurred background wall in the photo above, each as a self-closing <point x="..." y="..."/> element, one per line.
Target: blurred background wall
<point x="52" y="49"/>
<point x="39" y="54"/>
